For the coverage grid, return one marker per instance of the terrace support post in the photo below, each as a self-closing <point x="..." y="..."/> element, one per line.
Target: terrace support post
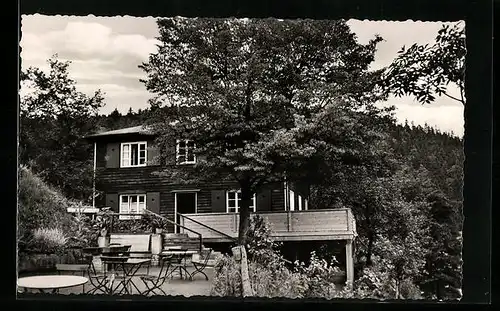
<point x="349" y="263"/>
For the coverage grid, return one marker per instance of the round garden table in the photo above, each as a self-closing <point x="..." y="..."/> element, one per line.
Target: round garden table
<point x="51" y="283"/>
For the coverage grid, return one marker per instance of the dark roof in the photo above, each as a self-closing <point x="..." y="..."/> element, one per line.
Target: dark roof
<point x="129" y="130"/>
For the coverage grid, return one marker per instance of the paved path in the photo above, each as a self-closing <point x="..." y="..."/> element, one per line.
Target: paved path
<point x="174" y="287"/>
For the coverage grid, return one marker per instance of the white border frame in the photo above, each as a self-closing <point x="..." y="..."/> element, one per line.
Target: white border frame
<point x="130" y="143"/>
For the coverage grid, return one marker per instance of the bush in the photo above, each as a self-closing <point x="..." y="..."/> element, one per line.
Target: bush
<point x="227" y="278"/>
<point x="377" y="282"/>
<point x="48" y="241"/>
<point x="265" y="281"/>
<point x="320" y="276"/>
<point x="82" y="232"/>
<point x="40" y="206"/>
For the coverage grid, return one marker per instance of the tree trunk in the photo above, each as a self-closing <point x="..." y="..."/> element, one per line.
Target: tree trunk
<point x="246" y="200"/>
<point x="245" y="278"/>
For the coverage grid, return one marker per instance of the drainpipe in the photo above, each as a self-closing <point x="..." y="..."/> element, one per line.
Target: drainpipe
<point x="93" y="181"/>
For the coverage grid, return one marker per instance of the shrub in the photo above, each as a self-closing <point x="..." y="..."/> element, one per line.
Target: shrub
<point x="266" y="281"/>
<point x="276" y="282"/>
<point x="82" y="233"/>
<point x="320" y="276"/>
<point x="48" y="241"/>
<point x="227" y="277"/>
<point x="377" y="282"/>
<point x="39" y="206"/>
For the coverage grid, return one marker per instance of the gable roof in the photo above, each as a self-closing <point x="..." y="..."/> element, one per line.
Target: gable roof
<point x="142" y="130"/>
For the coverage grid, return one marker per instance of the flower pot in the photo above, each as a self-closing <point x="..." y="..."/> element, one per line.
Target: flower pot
<point x="103" y="241"/>
<point x="158" y="231"/>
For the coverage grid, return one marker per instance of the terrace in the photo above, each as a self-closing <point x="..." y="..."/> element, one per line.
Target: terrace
<point x="310" y="225"/>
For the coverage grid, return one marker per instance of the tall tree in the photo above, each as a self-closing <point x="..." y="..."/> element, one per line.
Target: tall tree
<point x="426" y="71"/>
<point x="54" y="116"/>
<point x="244" y="90"/>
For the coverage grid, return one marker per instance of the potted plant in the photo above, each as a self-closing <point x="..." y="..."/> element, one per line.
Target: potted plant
<point x="157" y="224"/>
<point x="103" y="227"/>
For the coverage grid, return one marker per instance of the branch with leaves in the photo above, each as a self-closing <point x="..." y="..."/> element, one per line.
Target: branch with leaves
<point x="427" y="71"/>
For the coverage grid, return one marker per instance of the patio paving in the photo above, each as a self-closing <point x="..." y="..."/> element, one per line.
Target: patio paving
<point x="199" y="286"/>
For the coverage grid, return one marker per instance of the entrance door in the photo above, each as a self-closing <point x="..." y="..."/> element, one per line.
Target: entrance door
<point x="185" y="204"/>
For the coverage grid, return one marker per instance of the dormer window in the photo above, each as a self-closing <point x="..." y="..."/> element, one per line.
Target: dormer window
<point x="133" y="154"/>
<point x="185" y="152"/>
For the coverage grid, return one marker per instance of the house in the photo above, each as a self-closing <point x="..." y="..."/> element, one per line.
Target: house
<point x="125" y="161"/>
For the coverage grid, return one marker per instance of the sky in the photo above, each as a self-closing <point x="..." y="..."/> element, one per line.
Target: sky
<point x="105" y="53"/>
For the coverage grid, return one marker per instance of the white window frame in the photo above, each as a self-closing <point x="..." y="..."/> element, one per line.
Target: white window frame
<point x="137" y="210"/>
<point x="138" y="143"/>
<point x="177" y="155"/>
<point x="237" y="201"/>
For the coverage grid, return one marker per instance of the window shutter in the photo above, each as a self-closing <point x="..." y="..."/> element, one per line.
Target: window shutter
<point x="153" y="154"/>
<point x="112" y="200"/>
<point x="153" y="202"/>
<point x="218" y="201"/>
<point x="264" y="200"/>
<point x="113" y="155"/>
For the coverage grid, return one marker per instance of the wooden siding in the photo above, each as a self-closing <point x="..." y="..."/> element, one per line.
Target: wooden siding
<point x="116" y="181"/>
<point x="143" y="180"/>
<point x="333" y="224"/>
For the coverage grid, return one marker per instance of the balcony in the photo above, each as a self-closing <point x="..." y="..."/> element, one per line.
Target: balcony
<point x="324" y="224"/>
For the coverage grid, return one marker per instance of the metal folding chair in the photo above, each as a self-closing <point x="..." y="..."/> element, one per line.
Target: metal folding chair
<point x="155" y="282"/>
<point x="202" y="263"/>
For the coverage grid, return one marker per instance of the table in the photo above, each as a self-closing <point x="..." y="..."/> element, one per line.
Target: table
<point x="180" y="255"/>
<point x="51" y="283"/>
<point x="129" y="266"/>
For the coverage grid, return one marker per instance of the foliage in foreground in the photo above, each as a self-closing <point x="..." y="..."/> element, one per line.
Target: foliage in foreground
<point x="270" y="276"/>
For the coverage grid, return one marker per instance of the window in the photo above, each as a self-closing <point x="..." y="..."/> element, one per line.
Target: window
<point x="233" y="201"/>
<point x="133" y="154"/>
<point x="185" y="152"/>
<point x="132" y="204"/>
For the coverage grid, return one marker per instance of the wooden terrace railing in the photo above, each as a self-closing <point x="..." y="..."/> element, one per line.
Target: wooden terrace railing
<point x="321" y="224"/>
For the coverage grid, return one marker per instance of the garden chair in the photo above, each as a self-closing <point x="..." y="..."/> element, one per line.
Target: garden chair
<point x="201" y="263"/>
<point x="154" y="282"/>
<point x="96" y="279"/>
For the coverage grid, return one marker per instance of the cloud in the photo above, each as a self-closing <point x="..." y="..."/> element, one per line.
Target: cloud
<point x="87" y="40"/>
<point x="101" y="58"/>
